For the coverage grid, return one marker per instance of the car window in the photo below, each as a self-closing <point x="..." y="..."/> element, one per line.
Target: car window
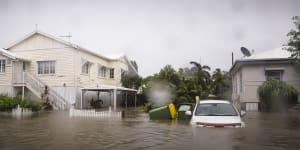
<point x="215" y="109"/>
<point x="184" y="108"/>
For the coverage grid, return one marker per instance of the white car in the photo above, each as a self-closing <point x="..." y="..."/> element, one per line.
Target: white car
<point x="216" y="113"/>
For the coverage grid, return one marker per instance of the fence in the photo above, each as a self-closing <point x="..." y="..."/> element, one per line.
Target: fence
<point x="21" y="112"/>
<point x="94" y="114"/>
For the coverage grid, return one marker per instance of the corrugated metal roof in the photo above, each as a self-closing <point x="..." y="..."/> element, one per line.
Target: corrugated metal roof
<point x="275" y="53"/>
<point x="279" y="54"/>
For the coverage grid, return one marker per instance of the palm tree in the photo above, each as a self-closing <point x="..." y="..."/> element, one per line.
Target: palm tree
<point x="169" y="74"/>
<point x="202" y="72"/>
<point x="202" y="75"/>
<point x="218" y="82"/>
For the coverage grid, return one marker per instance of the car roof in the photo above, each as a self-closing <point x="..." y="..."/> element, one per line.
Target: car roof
<point x="214" y="101"/>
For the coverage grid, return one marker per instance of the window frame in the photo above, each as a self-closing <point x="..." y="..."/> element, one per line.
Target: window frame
<point x="3" y="65"/>
<point x="111" y="73"/>
<point x="46" y="67"/>
<point x="102" y="71"/>
<point x="276" y="77"/>
<point x="85" y="69"/>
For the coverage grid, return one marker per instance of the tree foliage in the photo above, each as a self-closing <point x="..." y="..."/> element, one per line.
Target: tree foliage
<point x="130" y="79"/>
<point x="294" y="38"/>
<point x="221" y="84"/>
<point x="169" y="74"/>
<point x="194" y="81"/>
<point x="276" y="95"/>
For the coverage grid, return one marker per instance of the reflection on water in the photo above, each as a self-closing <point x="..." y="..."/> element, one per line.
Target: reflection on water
<point x="55" y="130"/>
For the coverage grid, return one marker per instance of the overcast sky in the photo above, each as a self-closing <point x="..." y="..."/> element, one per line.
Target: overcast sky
<point x="156" y="32"/>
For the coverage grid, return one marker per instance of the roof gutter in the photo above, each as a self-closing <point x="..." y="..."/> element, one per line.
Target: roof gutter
<point x="238" y="63"/>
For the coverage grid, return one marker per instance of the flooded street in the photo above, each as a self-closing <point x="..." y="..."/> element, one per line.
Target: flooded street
<point x="56" y="130"/>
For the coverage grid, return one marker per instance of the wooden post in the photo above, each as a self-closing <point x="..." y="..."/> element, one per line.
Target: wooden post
<point x="81" y="97"/>
<point x="115" y="99"/>
<point x="23" y="87"/>
<point x="126" y="94"/>
<point x="134" y="100"/>
<point x="110" y="91"/>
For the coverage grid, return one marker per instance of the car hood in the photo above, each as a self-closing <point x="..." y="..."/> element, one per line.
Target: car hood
<point x="216" y="120"/>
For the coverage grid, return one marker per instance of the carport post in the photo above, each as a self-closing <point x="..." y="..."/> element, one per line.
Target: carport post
<point x="115" y="99"/>
<point x="81" y="97"/>
<point x="134" y="100"/>
<point x="126" y="94"/>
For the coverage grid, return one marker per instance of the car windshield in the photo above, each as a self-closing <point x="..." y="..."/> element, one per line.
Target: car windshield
<point x="215" y="109"/>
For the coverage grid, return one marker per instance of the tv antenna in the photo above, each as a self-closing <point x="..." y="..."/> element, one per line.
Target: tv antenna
<point x="67" y="36"/>
<point x="245" y="52"/>
<point x="36" y="27"/>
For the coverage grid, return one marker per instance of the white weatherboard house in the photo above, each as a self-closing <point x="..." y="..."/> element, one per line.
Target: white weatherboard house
<point x="249" y="73"/>
<point x="62" y="73"/>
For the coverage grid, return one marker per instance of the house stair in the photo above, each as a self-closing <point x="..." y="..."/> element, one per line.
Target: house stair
<point x="42" y="90"/>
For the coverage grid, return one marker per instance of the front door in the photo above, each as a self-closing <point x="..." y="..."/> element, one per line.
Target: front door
<point x="18" y="67"/>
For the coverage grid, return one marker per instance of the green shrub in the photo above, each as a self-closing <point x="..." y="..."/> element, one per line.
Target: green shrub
<point x="7" y="103"/>
<point x="31" y="103"/>
<point x="182" y="99"/>
<point x="275" y="95"/>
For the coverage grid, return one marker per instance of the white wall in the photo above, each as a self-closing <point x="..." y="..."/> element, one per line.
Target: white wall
<point x="7" y="90"/>
<point x="6" y="77"/>
<point x="68" y="73"/>
<point x="40" y="48"/>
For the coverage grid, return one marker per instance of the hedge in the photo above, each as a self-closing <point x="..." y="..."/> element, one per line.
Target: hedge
<point x="276" y="95"/>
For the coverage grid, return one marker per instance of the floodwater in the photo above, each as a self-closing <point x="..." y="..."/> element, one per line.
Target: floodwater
<point x="56" y="130"/>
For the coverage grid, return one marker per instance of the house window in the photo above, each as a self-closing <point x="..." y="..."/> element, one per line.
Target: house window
<point x="102" y="71"/>
<point x="85" y="68"/>
<point x="111" y="73"/>
<point x="2" y="65"/>
<point x="46" y="67"/>
<point x="273" y="74"/>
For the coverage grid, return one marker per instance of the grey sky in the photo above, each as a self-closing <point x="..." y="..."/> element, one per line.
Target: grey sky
<point x="156" y="32"/>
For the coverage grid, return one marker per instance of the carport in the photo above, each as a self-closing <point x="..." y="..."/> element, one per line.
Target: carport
<point x="112" y="90"/>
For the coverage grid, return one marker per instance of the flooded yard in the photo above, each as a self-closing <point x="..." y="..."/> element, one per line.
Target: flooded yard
<point x="56" y="130"/>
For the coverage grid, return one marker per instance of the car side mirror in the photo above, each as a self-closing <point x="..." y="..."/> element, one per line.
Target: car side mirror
<point x="188" y="113"/>
<point x="243" y="113"/>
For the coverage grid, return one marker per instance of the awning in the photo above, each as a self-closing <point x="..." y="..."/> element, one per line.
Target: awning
<point x="277" y="69"/>
<point x="108" y="87"/>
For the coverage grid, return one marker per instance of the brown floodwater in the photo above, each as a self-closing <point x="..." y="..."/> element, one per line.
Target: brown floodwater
<point x="56" y="130"/>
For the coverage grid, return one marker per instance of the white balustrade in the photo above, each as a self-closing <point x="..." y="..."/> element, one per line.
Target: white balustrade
<point x="57" y="101"/>
<point x="94" y="114"/>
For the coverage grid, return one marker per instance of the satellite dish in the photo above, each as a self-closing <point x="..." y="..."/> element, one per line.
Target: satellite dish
<point x="245" y="51"/>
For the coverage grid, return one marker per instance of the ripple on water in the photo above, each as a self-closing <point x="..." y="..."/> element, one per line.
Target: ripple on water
<point x="55" y="130"/>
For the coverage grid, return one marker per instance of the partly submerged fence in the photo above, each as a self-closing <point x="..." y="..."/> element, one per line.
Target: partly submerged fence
<point x="21" y="112"/>
<point x="94" y="114"/>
